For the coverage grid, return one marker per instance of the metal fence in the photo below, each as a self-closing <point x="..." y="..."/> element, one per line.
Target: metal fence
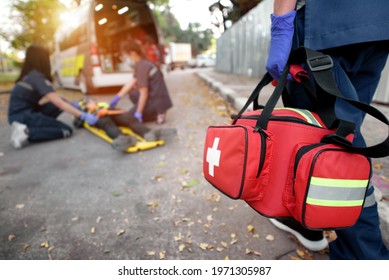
<point x="243" y="48"/>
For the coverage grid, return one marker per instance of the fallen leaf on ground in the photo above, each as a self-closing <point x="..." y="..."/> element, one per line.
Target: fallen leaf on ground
<point x="215" y="197"/>
<point x="248" y="252"/>
<point x="209" y="218"/>
<point x="205" y="246"/>
<point x="26" y="246"/>
<point x="224" y="244"/>
<point x="179" y="237"/>
<point x="304" y="254"/>
<point x="116" y="194"/>
<point x="151" y="253"/>
<point x="162" y="255"/>
<point x="181" y="247"/>
<point x="187" y="185"/>
<point x="153" y="204"/>
<point x="250" y="228"/>
<point x="377" y="166"/>
<point x="93" y="230"/>
<point x="11" y="237"/>
<point x="19" y="206"/>
<point x="269" y="237"/>
<point x="157" y="178"/>
<point x="161" y="164"/>
<point x="98" y="220"/>
<point x="45" y="244"/>
<point x="120" y="232"/>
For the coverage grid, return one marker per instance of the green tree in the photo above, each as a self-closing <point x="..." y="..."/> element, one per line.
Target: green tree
<point x="172" y="32"/>
<point x="38" y="19"/>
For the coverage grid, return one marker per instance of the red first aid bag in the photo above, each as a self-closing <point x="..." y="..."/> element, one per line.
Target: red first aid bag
<point x="289" y="162"/>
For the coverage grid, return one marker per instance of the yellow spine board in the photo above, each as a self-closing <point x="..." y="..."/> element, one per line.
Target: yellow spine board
<point x="141" y="145"/>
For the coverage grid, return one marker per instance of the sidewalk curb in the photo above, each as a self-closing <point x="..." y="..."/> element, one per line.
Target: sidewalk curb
<point x="238" y="102"/>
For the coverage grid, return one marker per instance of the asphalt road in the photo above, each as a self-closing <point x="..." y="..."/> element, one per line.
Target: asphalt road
<point x="79" y="199"/>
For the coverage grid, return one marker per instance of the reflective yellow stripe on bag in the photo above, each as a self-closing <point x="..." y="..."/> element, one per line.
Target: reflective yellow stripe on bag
<point x="310" y="118"/>
<point x="336" y="192"/>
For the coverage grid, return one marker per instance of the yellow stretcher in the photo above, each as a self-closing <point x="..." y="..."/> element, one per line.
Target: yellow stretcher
<point x="141" y="145"/>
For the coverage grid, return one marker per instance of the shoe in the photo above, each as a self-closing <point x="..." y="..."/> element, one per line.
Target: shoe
<point x="160" y="134"/>
<point x="161" y="118"/>
<point x="123" y="142"/>
<point x="19" y="136"/>
<point x="310" y="239"/>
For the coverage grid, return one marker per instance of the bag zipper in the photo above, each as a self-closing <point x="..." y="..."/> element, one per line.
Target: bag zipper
<point x="301" y="152"/>
<point x="262" y="152"/>
<point x="282" y="118"/>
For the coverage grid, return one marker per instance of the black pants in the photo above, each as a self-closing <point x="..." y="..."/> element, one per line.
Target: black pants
<point x="111" y="123"/>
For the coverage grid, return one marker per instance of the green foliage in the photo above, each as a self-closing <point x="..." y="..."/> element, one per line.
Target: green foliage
<point x="8" y="77"/>
<point x="172" y="32"/>
<point x="38" y="19"/>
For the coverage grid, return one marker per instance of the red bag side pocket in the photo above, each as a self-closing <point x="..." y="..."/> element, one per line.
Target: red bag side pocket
<point x="330" y="185"/>
<point x="233" y="158"/>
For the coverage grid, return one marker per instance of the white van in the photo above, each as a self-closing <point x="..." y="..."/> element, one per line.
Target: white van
<point x="87" y="47"/>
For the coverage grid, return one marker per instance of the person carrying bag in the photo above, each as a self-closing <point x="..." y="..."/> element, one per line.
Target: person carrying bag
<point x="291" y="163"/>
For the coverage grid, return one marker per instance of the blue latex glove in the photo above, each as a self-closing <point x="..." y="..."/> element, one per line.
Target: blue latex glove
<point x="282" y="29"/>
<point x="75" y="104"/>
<point x="114" y="101"/>
<point x="89" y="118"/>
<point x="138" y="116"/>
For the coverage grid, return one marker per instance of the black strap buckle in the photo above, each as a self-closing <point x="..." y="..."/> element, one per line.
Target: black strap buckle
<point x="335" y="139"/>
<point x="319" y="63"/>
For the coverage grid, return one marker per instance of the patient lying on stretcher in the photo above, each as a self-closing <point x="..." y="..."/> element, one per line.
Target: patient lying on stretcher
<point x="110" y="121"/>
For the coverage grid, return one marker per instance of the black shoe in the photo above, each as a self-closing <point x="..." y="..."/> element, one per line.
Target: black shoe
<point x="123" y="142"/>
<point x="310" y="239"/>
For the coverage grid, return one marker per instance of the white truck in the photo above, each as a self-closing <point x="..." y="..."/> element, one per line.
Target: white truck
<point x="178" y="55"/>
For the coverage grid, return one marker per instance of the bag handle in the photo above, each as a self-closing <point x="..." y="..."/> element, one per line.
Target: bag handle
<point x="267" y="79"/>
<point x="321" y="67"/>
<point x="327" y="85"/>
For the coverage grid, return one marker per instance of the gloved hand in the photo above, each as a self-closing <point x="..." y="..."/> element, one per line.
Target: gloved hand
<point x="138" y="116"/>
<point x="114" y="101"/>
<point x="282" y="29"/>
<point x="75" y="104"/>
<point x="89" y="118"/>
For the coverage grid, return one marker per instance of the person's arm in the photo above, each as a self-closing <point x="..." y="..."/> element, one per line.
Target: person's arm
<point x="123" y="91"/>
<point x="282" y="29"/>
<point x="126" y="88"/>
<point x="62" y="104"/>
<point x="282" y="7"/>
<point x="67" y="107"/>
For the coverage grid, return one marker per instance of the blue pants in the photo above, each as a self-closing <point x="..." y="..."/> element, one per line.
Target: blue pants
<point x="357" y="71"/>
<point x="42" y="124"/>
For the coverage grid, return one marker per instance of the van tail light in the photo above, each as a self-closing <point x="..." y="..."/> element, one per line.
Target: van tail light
<point x="95" y="61"/>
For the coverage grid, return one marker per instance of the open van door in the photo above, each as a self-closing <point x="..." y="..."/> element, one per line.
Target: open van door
<point x="87" y="49"/>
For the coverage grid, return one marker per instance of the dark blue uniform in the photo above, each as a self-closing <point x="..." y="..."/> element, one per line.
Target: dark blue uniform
<point x="24" y="108"/>
<point x="355" y="33"/>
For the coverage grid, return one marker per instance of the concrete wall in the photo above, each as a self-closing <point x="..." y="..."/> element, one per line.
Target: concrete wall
<point x="243" y="48"/>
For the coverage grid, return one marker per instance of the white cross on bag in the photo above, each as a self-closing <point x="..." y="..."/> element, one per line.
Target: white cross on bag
<point x="213" y="156"/>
